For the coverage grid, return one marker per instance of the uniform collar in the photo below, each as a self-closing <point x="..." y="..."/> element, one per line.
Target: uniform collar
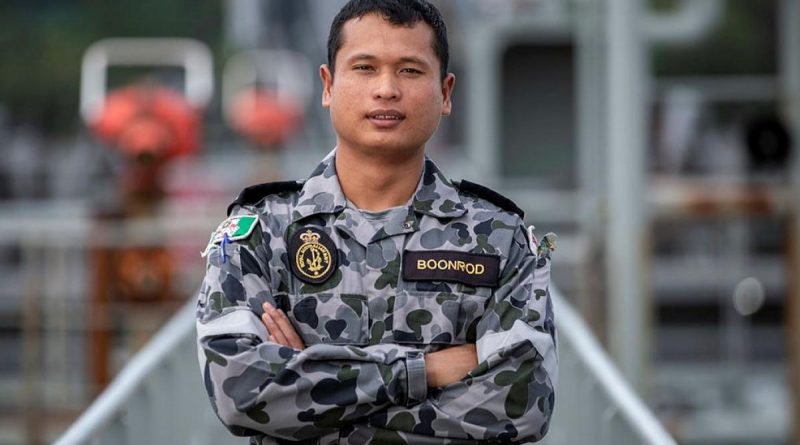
<point x="321" y="192"/>
<point x="435" y="195"/>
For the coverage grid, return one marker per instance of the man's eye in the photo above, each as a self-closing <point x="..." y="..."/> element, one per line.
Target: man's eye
<point x="411" y="71"/>
<point x="363" y="68"/>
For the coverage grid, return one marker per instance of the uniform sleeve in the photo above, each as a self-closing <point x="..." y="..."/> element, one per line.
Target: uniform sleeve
<point x="511" y="393"/>
<point x="259" y="387"/>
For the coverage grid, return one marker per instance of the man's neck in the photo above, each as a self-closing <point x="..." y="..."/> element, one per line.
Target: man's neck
<point x="377" y="183"/>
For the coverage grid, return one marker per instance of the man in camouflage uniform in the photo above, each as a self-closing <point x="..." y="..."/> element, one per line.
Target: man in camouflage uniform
<point x="377" y="301"/>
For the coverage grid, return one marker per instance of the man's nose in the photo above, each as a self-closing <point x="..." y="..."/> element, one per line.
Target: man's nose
<point x="387" y="87"/>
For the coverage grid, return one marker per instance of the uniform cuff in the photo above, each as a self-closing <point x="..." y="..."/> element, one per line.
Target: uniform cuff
<point x="417" y="379"/>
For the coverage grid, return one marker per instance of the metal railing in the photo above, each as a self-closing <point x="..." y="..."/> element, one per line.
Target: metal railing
<point x="594" y="403"/>
<point x="158" y="397"/>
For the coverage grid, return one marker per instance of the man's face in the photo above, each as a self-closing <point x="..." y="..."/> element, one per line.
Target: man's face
<point x="387" y="93"/>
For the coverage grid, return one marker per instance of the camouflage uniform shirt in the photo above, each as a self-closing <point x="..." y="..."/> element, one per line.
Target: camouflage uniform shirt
<point x="368" y="303"/>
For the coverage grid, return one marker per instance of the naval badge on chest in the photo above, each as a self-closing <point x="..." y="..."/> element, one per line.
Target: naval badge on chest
<point x="312" y="255"/>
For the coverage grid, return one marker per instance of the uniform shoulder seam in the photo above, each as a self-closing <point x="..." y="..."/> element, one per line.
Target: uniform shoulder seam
<point x="255" y="193"/>
<point x="490" y="195"/>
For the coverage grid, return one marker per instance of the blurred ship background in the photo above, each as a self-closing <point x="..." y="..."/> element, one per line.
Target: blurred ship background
<point x="656" y="137"/>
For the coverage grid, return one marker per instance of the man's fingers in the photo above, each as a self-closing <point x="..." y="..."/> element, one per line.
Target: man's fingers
<point x="279" y="325"/>
<point x="274" y="329"/>
<point x="287" y="328"/>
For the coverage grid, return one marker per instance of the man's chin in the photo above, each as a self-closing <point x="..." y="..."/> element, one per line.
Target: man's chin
<point x="388" y="147"/>
<point x="395" y="151"/>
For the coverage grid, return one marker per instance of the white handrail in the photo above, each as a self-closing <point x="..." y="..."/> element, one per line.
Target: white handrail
<point x="111" y="401"/>
<point x="580" y="341"/>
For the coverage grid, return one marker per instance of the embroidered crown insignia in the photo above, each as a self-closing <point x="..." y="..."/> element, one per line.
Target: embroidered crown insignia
<point x="309" y="237"/>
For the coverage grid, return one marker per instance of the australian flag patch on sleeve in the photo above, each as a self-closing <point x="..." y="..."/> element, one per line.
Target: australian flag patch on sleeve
<point x="234" y="228"/>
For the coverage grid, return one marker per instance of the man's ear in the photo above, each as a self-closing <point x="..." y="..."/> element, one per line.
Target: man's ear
<point x="326" y="76"/>
<point x="448" y="84"/>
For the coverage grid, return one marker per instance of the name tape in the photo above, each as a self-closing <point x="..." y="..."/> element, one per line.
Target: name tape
<point x="473" y="269"/>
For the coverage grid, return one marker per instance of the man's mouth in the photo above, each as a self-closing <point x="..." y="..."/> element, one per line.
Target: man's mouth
<point x="386" y="115"/>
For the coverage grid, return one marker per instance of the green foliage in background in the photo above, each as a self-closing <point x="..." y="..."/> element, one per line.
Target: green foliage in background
<point x="42" y="42"/>
<point x="745" y="43"/>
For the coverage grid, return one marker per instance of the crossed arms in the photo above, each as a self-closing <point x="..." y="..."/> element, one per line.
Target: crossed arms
<point x="261" y="379"/>
<point x="441" y="367"/>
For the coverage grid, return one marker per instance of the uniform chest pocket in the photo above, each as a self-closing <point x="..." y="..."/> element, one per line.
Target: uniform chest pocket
<point x="430" y="318"/>
<point x="338" y="319"/>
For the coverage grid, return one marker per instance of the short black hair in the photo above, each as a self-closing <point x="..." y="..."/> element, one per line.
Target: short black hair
<point x="397" y="12"/>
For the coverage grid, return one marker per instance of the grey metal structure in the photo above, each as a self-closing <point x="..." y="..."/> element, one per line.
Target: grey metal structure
<point x="605" y="113"/>
<point x="626" y="113"/>
<point x="158" y="397"/>
<point x="191" y="55"/>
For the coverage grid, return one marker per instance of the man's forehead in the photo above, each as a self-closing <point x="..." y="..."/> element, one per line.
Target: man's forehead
<point x="354" y="40"/>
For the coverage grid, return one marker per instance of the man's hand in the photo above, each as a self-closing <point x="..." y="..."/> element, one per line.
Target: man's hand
<point x="450" y="365"/>
<point x="280" y="328"/>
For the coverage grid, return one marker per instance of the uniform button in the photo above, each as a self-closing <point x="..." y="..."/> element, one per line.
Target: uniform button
<point x="407" y="225"/>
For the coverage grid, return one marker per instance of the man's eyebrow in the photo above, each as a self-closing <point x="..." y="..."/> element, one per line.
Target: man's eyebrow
<point x="412" y="59"/>
<point x="370" y="57"/>
<point x="362" y="56"/>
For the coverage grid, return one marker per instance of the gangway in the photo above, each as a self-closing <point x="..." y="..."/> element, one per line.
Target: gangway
<point x="158" y="396"/>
